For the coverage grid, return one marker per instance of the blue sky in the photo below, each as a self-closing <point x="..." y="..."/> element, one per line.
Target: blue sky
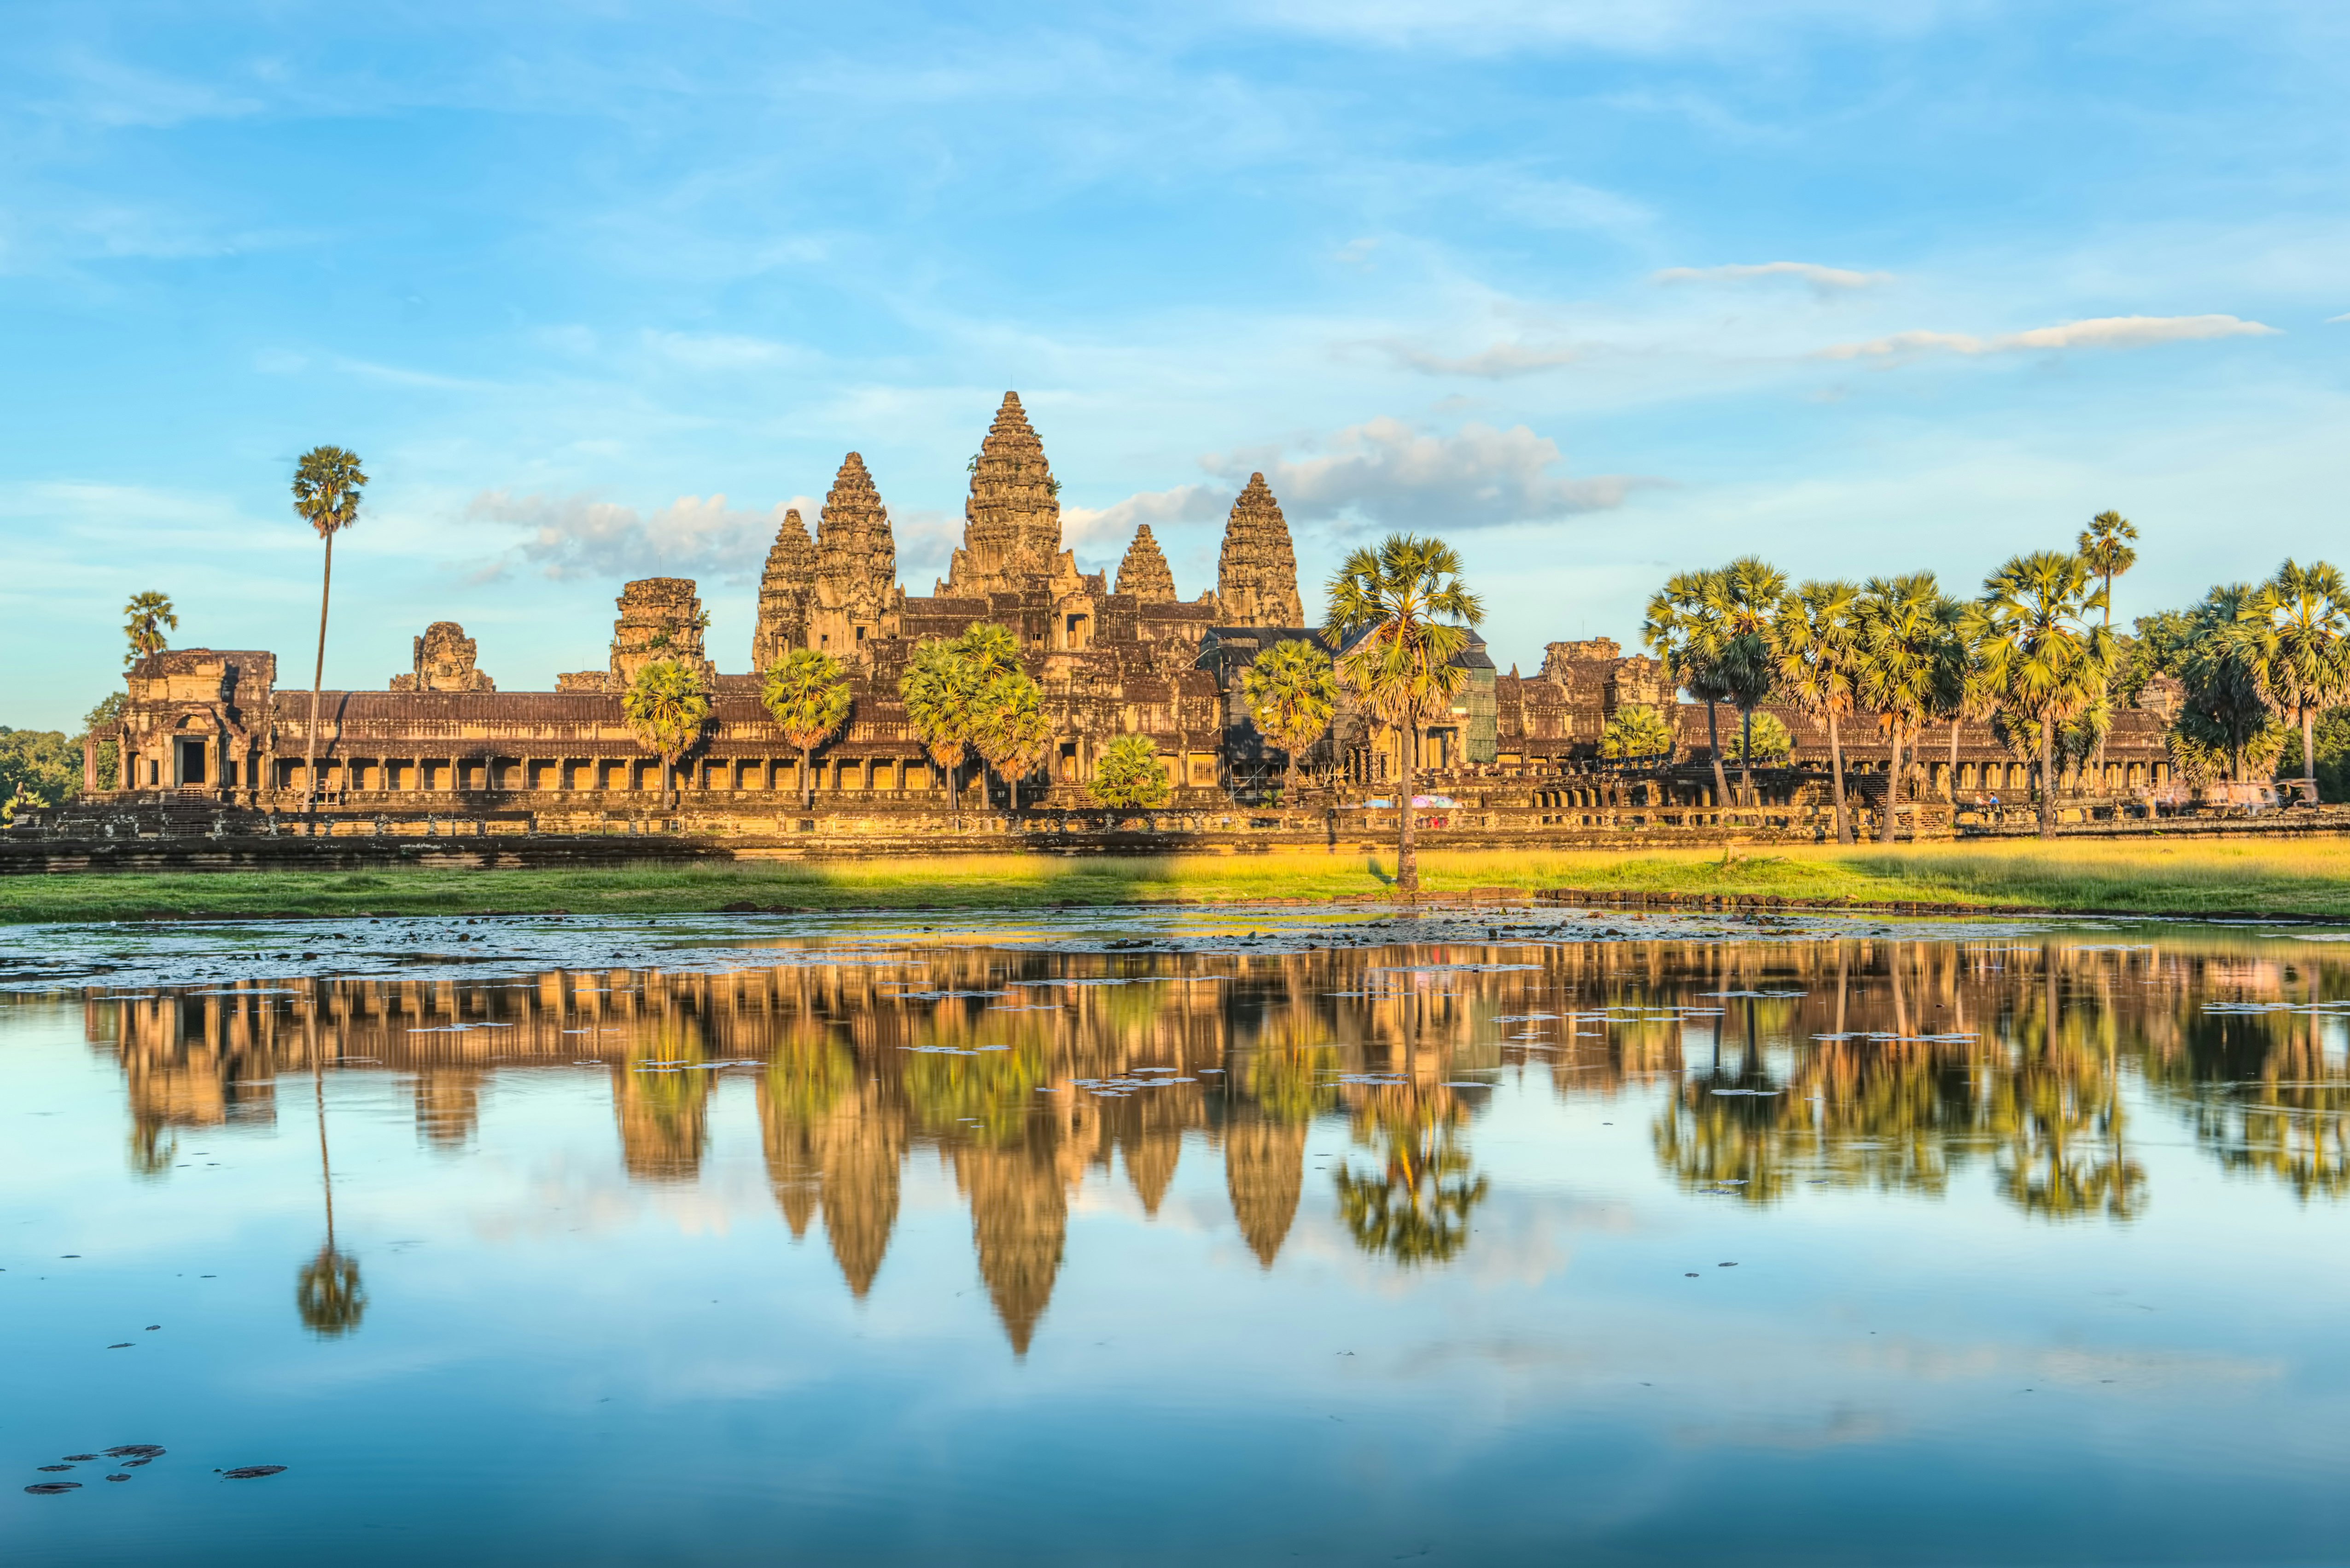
<point x="1598" y="291"/>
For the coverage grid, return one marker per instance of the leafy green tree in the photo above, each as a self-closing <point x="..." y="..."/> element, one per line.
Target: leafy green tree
<point x="1291" y="690"/>
<point x="1680" y="628"/>
<point x="2294" y="633"/>
<point x="2038" y="652"/>
<point x="327" y="485"/>
<point x="1815" y="637"/>
<point x="1636" y="730"/>
<point x="807" y="694"/>
<point x="109" y="752"/>
<point x="1769" y="739"/>
<point x="1743" y="599"/>
<point x="38" y="768"/>
<point x="1127" y="775"/>
<point x="1401" y="613"/>
<point x="143" y="621"/>
<point x="2225" y="727"/>
<point x="1907" y="632"/>
<point x="1010" y="731"/>
<point x="666" y="707"/>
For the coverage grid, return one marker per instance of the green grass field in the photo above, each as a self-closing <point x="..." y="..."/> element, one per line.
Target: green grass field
<point x="2178" y="878"/>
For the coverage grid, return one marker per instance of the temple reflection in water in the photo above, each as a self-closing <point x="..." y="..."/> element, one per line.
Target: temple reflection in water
<point x="1770" y="1068"/>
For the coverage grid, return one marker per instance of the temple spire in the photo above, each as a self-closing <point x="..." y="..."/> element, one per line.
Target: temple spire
<point x="1011" y="520"/>
<point x="1143" y="574"/>
<point x="1256" y="574"/>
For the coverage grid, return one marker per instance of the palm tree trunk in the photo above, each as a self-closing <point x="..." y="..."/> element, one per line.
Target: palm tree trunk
<point x="1713" y="745"/>
<point x="1746" y="755"/>
<point x="317" y="680"/>
<point x="2309" y="751"/>
<point x="1835" y="774"/>
<point x="2047" y="777"/>
<point x="1407" y="853"/>
<point x="1885" y="827"/>
<point x="807" y="780"/>
<point x="1950" y="783"/>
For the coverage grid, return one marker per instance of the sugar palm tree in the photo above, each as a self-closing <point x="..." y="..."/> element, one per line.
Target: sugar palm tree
<point x="666" y="707"/>
<point x="806" y="692"/>
<point x="1291" y="690"/>
<point x="1815" y="639"/>
<point x="2105" y="549"/>
<point x="2295" y="635"/>
<point x="1402" y="615"/>
<point x="1906" y="629"/>
<point x="2040" y="652"/>
<point x="1965" y="694"/>
<point x="2225" y="726"/>
<point x="941" y="698"/>
<point x="1681" y="630"/>
<point x="1743" y="598"/>
<point x="1010" y="731"/>
<point x="143" y="620"/>
<point x="327" y="485"/>
<point x="2104" y="546"/>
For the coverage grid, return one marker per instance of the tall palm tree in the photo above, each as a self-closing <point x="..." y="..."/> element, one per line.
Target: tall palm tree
<point x="1010" y="731"/>
<point x="806" y="692"/>
<point x="143" y="620"/>
<point x="1815" y="639"/>
<point x="941" y="698"/>
<point x="2295" y="634"/>
<point x="2104" y="546"/>
<point x="2040" y="652"/>
<point x="1680" y="630"/>
<point x="2104" y="549"/>
<point x="666" y="707"/>
<point x="1401" y="613"/>
<point x="1291" y="690"/>
<point x="327" y="485"/>
<point x="1906" y="630"/>
<point x="1963" y="694"/>
<point x="1743" y="597"/>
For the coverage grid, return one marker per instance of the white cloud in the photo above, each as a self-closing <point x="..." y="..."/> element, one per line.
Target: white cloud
<point x="1113" y="524"/>
<point x="1497" y="362"/>
<point x="2100" y="332"/>
<point x="573" y="536"/>
<point x="1387" y="473"/>
<point x="1491" y="26"/>
<point x="1824" y="279"/>
<point x="2343" y="317"/>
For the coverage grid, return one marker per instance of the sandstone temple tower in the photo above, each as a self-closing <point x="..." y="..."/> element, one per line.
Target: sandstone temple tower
<point x="1012" y="522"/>
<point x="784" y="590"/>
<point x="1143" y="575"/>
<point x="856" y="564"/>
<point x="1256" y="576"/>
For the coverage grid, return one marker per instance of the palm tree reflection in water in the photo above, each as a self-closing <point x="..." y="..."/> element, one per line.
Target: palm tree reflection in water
<point x="1416" y="1209"/>
<point x="327" y="1294"/>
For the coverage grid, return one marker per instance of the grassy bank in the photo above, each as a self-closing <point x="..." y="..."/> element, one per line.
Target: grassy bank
<point x="2196" y="878"/>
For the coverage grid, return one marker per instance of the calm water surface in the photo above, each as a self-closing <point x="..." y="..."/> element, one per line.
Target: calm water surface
<point x="1831" y="1243"/>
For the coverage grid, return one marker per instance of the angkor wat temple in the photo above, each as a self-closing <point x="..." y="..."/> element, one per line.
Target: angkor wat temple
<point x="1128" y="657"/>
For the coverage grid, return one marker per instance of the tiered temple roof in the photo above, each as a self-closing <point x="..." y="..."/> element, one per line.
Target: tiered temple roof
<point x="1143" y="575"/>
<point x="1012" y="521"/>
<point x="1256" y="576"/>
<point x="784" y="590"/>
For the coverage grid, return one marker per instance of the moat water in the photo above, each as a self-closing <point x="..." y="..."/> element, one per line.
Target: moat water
<point x="1498" y="1237"/>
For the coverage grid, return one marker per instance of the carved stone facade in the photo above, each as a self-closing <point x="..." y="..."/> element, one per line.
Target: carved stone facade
<point x="786" y="589"/>
<point x="1012" y="521"/>
<point x="444" y="662"/>
<point x="1143" y="575"/>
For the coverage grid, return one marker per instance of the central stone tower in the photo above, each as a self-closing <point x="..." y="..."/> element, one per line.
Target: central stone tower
<point x="1012" y="521"/>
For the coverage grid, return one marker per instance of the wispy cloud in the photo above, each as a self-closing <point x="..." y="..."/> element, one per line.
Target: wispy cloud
<point x="721" y="350"/>
<point x="2100" y="332"/>
<point x="1499" y="361"/>
<point x="572" y="536"/>
<point x="1386" y="473"/>
<point x="1111" y="525"/>
<point x="1824" y="279"/>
